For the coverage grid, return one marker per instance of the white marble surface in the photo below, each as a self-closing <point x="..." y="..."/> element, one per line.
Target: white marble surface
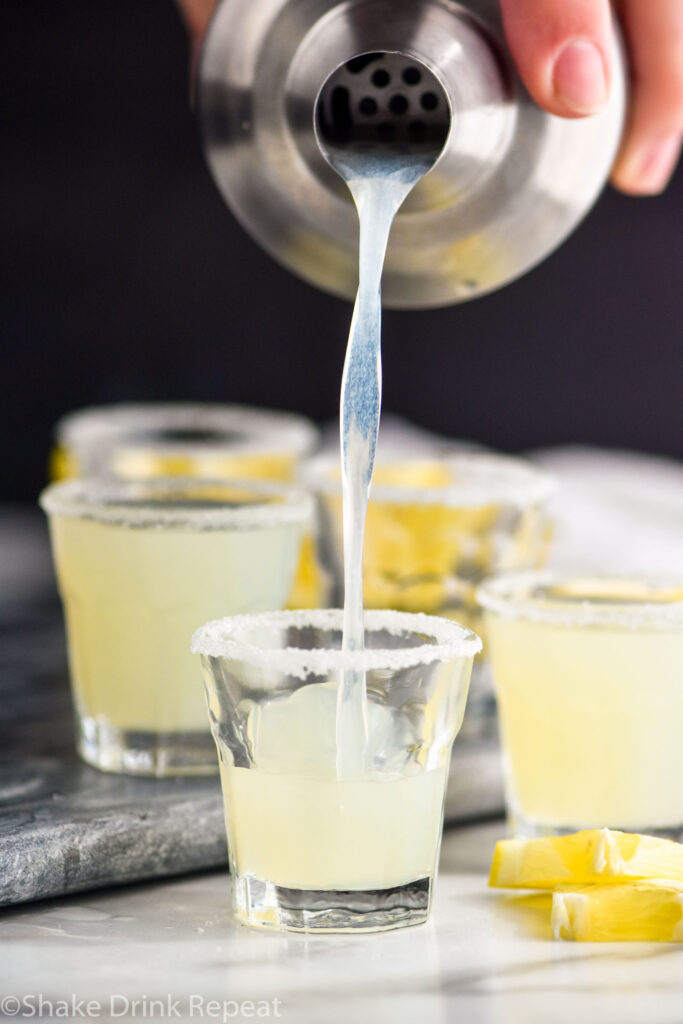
<point x="477" y="960"/>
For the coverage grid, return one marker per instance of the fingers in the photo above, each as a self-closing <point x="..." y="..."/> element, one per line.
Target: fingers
<point x="562" y="51"/>
<point x="562" y="47"/>
<point x="196" y="15"/>
<point x="654" y="31"/>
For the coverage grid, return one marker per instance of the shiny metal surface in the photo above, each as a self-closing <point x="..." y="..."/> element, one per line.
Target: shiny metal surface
<point x="511" y="183"/>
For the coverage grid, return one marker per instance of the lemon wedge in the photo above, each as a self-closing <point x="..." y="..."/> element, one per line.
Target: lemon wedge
<point x="634" y="912"/>
<point x="584" y="858"/>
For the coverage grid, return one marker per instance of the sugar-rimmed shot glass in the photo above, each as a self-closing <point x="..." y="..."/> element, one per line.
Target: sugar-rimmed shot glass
<point x="437" y="524"/>
<point x="139" y="566"/>
<point x="147" y="440"/>
<point x="310" y="851"/>
<point x="589" y="678"/>
<point x="139" y="441"/>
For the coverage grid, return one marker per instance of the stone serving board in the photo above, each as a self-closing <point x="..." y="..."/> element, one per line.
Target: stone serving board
<point x="65" y="827"/>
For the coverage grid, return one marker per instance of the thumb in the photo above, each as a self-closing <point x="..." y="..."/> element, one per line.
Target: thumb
<point x="562" y="52"/>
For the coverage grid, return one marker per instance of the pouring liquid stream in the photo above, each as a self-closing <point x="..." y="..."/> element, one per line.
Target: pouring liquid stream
<point x="379" y="183"/>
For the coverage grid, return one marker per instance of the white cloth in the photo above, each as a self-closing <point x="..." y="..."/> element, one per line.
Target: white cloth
<point x="615" y="511"/>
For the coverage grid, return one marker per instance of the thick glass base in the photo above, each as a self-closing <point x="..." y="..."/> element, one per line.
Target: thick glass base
<point x="134" y="752"/>
<point x="267" y="905"/>
<point x="522" y="828"/>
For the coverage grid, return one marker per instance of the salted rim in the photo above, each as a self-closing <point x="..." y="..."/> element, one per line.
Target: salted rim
<point x="507" y="596"/>
<point x="218" y="639"/>
<point x="102" y="501"/>
<point x="492" y="479"/>
<point x="255" y="429"/>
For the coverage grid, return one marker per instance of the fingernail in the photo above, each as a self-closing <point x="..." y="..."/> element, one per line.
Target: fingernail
<point x="655" y="164"/>
<point x="579" y="77"/>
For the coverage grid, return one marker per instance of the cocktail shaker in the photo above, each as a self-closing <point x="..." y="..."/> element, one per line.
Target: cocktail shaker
<point x="511" y="183"/>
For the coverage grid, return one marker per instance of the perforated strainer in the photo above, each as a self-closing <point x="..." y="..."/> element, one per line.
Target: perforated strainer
<point x="509" y="186"/>
<point x="383" y="98"/>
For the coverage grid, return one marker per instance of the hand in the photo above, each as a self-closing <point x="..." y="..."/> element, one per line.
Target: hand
<point x="561" y="48"/>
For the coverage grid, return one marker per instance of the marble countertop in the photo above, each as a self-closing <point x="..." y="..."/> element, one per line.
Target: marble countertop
<point x="478" y="959"/>
<point x="169" y="950"/>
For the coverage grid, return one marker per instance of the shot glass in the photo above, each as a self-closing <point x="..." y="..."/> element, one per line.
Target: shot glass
<point x="313" y="846"/>
<point x="145" y="441"/>
<point x="437" y="524"/>
<point x="139" y="566"/>
<point x="589" y="678"/>
<point x="148" y="440"/>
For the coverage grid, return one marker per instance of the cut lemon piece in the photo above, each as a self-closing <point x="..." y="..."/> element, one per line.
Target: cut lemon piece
<point x="584" y="858"/>
<point x="635" y="912"/>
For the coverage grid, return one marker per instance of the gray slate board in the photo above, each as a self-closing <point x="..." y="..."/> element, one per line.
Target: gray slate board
<point x="65" y="827"/>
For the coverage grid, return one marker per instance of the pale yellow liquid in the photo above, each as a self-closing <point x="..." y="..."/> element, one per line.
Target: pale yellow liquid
<point x="307" y="833"/>
<point x="133" y="598"/>
<point x="430" y="557"/>
<point x="309" y="585"/>
<point x="291" y="822"/>
<point x="592" y="723"/>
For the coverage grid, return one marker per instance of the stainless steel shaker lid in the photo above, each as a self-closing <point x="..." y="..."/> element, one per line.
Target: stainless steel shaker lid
<point x="511" y="183"/>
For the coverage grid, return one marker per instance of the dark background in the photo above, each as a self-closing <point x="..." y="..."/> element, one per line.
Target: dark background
<point x="124" y="277"/>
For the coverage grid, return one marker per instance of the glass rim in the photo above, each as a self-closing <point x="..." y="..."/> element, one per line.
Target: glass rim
<point x="493" y="479"/>
<point x="220" y="639"/>
<point x="509" y="596"/>
<point x="255" y="429"/>
<point x="105" y="501"/>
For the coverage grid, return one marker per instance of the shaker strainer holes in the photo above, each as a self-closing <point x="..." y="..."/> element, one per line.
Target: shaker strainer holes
<point x="398" y="104"/>
<point x="341" y="109"/>
<point x="358" y="64"/>
<point x="368" y="106"/>
<point x="417" y="128"/>
<point x="411" y="76"/>
<point x="385" y="99"/>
